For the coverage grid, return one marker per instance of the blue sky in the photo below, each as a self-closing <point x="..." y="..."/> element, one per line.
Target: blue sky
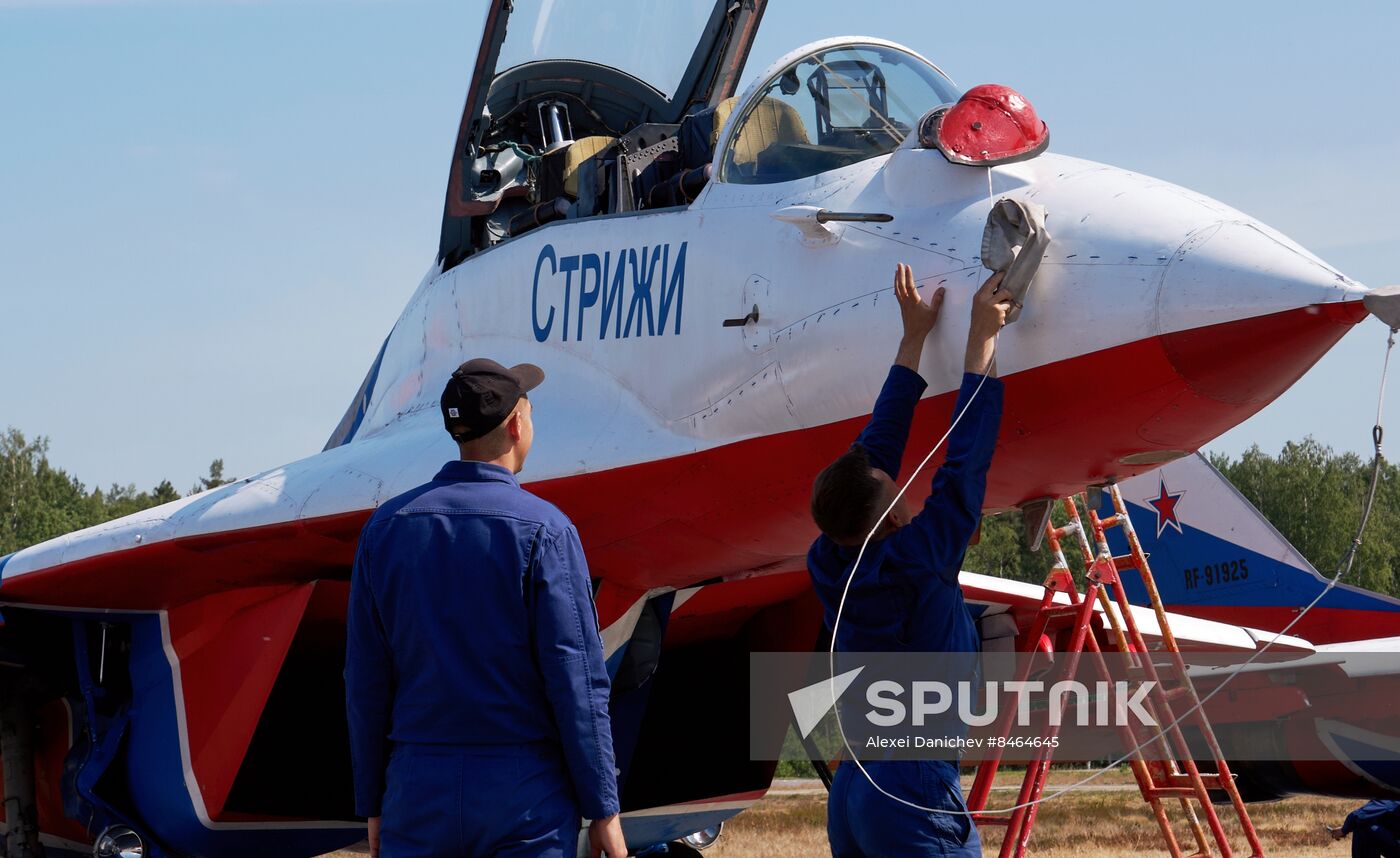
<point x="211" y="211"/>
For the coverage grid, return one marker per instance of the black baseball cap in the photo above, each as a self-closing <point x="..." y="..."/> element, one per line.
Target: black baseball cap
<point x="481" y="394"/>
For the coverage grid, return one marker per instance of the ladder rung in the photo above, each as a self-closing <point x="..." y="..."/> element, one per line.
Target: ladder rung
<point x="1166" y="683"/>
<point x="1211" y="780"/>
<point x="1173" y="693"/>
<point x="1169" y="792"/>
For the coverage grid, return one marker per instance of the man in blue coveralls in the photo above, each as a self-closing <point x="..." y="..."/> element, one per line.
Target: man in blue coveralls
<point x="474" y="677"/>
<point x="1372" y="827"/>
<point x="905" y="596"/>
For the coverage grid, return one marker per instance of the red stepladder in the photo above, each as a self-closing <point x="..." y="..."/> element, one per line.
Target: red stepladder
<point x="1162" y="763"/>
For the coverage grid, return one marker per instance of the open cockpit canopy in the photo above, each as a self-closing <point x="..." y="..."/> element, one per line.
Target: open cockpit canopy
<point x="553" y="74"/>
<point x="578" y="110"/>
<point x="653" y="43"/>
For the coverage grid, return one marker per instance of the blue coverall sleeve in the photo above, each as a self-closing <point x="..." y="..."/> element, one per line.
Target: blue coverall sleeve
<point x="887" y="432"/>
<point x="1371" y="812"/>
<point x="937" y="537"/>
<point x="369" y="687"/>
<point x="569" y="651"/>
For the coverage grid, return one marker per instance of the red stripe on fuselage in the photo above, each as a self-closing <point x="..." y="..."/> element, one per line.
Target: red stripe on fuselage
<point x="743" y="507"/>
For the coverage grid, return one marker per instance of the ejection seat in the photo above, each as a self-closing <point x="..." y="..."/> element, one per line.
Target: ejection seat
<point x="757" y="148"/>
<point x="760" y="149"/>
<point x="570" y="183"/>
<point x="584" y="174"/>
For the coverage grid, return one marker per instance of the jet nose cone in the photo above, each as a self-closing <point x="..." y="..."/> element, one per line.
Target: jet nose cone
<point x="1243" y="312"/>
<point x="1231" y="270"/>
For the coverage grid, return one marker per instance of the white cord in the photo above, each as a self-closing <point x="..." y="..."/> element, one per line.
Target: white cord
<point x="1345" y="566"/>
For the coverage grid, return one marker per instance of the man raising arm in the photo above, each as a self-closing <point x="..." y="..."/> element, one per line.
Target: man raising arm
<point x="905" y="595"/>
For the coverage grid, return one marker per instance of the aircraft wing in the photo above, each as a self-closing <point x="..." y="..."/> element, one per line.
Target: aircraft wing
<point x="297" y="522"/>
<point x="990" y="597"/>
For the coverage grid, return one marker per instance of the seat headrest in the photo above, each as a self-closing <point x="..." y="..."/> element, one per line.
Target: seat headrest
<point x="581" y="150"/>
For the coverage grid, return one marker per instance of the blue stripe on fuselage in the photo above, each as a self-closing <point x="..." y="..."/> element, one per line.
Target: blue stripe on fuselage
<point x="349" y="425"/>
<point x="1379" y="764"/>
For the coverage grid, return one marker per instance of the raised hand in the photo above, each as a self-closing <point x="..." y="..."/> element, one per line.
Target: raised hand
<point x="919" y="317"/>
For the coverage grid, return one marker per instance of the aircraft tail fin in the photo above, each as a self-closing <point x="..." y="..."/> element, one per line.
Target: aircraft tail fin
<point x="1215" y="556"/>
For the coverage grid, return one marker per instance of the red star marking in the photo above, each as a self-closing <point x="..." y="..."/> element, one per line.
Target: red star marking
<point x="1165" y="504"/>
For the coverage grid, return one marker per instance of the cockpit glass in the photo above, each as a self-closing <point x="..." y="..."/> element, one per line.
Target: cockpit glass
<point x="650" y="41"/>
<point x="831" y="109"/>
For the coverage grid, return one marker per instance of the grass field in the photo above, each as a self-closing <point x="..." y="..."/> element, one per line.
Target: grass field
<point x="1108" y="820"/>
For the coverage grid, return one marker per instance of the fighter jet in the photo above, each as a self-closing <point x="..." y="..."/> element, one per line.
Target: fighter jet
<point x="704" y="274"/>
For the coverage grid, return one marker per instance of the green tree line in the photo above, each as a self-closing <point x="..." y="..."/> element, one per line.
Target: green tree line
<point x="39" y="501"/>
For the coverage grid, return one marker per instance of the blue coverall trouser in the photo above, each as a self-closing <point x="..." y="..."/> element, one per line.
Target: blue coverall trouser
<point x="862" y="822"/>
<point x="1374" y="841"/>
<point x="448" y="802"/>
